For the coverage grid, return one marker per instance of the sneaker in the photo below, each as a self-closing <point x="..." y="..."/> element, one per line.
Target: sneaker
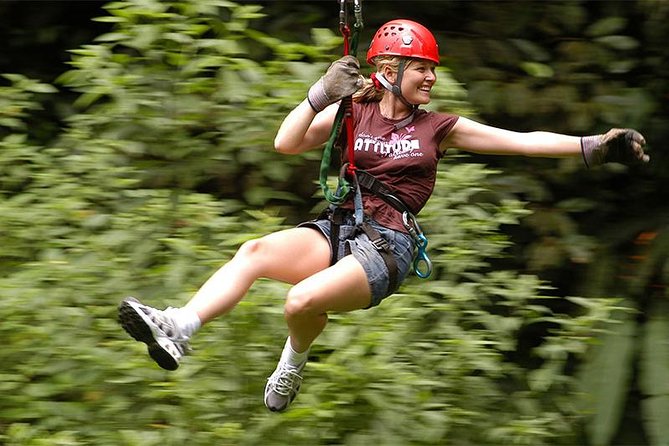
<point x="155" y="328"/>
<point x="283" y="386"/>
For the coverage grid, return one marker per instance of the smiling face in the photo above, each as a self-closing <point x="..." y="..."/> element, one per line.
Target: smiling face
<point x="419" y="77"/>
<point x="417" y="80"/>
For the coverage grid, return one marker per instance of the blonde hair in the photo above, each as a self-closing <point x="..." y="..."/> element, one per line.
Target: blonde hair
<point x="368" y="92"/>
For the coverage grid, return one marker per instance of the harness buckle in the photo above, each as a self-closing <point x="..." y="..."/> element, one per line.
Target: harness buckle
<point x="381" y="244"/>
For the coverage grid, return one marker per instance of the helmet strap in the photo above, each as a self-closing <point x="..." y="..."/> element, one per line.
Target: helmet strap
<point x="396" y="87"/>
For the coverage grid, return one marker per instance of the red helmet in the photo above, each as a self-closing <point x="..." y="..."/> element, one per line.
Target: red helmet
<point x="403" y="38"/>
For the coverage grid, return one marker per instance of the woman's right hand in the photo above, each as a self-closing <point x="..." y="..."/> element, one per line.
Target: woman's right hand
<point x="342" y="79"/>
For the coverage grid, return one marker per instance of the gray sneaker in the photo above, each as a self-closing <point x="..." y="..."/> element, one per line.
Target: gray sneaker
<point x="155" y="328"/>
<point x="283" y="386"/>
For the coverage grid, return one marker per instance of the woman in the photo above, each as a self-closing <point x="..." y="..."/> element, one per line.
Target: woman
<point x="397" y="143"/>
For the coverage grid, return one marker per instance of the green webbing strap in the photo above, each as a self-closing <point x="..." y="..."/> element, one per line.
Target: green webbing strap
<point x="343" y="186"/>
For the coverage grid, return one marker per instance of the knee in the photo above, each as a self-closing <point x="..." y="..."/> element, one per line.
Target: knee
<point x="252" y="255"/>
<point x="300" y="301"/>
<point x="250" y="248"/>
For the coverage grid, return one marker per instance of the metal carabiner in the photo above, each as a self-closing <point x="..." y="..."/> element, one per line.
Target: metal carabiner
<point x="422" y="258"/>
<point x="343" y="15"/>
<point x="357" y="13"/>
<point x="345" y="27"/>
<point x="411" y="224"/>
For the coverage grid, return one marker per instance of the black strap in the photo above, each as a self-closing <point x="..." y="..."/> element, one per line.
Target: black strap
<point x="382" y="190"/>
<point x="383" y="247"/>
<point x="336" y="217"/>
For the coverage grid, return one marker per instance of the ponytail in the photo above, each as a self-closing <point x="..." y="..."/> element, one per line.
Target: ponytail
<point x="368" y="93"/>
<point x="372" y="91"/>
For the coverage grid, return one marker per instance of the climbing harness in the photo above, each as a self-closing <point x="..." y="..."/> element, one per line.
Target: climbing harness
<point x="351" y="179"/>
<point x="422" y="265"/>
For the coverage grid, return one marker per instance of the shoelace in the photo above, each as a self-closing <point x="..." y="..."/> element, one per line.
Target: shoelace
<point x="169" y="329"/>
<point x="284" y="381"/>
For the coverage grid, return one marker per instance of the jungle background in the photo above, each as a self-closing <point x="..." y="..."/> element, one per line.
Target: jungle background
<point x="136" y="155"/>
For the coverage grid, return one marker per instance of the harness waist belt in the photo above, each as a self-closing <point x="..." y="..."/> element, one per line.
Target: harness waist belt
<point x="336" y="216"/>
<point x="382" y="190"/>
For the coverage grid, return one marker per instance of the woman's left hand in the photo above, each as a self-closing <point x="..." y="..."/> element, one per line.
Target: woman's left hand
<point x="617" y="145"/>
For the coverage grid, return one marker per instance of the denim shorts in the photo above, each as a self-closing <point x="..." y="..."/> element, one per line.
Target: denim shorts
<point x="363" y="250"/>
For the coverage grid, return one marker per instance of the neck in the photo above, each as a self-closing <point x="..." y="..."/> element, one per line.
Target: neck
<point x="392" y="108"/>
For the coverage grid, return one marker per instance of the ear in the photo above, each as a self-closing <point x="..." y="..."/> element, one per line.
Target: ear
<point x="389" y="74"/>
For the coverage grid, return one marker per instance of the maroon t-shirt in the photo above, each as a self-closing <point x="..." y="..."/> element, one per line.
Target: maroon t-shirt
<point x="405" y="159"/>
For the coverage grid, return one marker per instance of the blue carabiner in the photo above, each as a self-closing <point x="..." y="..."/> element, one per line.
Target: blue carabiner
<point x="411" y="224"/>
<point x="422" y="258"/>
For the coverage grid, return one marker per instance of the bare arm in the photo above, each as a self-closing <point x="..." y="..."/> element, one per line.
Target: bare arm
<point x="304" y="129"/>
<point x="475" y="137"/>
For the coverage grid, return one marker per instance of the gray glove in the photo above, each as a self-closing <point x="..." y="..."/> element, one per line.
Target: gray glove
<point x="341" y="79"/>
<point x="617" y="145"/>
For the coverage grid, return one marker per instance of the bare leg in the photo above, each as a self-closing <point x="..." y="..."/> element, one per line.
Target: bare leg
<point x="300" y="256"/>
<point x="289" y="256"/>
<point x="341" y="287"/>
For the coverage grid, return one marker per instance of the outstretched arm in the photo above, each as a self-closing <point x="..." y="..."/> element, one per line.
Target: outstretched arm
<point x="472" y="136"/>
<point x="616" y="145"/>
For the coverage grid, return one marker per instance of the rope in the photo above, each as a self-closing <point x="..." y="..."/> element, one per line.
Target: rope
<point x="345" y="112"/>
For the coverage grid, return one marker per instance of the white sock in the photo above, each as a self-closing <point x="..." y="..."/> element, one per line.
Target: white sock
<point x="187" y="320"/>
<point x="292" y="357"/>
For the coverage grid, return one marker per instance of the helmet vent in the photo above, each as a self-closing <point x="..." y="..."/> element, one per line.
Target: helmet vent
<point x="390" y="31"/>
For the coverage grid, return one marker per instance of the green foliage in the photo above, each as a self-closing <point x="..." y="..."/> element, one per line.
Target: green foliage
<point x="654" y="371"/>
<point x="82" y="234"/>
<point x="182" y="89"/>
<point x="580" y="68"/>
<point x="16" y="100"/>
<point x="635" y="353"/>
<point x="577" y="80"/>
<point x="166" y="167"/>
<point x="428" y="366"/>
<point x="605" y="393"/>
<point x="425" y="367"/>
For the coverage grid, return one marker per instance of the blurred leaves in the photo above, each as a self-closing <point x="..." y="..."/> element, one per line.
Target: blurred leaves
<point x="164" y="166"/>
<point x="86" y="230"/>
<point x="177" y="70"/>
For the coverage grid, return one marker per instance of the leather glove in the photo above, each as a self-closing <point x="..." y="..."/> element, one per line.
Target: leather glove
<point x="617" y="145"/>
<point x="341" y="79"/>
